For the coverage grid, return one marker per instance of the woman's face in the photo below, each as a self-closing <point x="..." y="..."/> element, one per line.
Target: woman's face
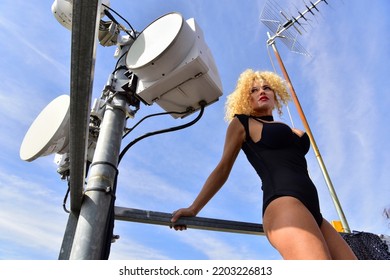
<point x="262" y="98"/>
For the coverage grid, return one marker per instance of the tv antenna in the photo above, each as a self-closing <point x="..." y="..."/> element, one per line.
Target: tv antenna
<point x="287" y="28"/>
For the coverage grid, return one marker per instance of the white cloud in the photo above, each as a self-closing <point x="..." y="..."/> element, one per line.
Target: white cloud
<point x="33" y="52"/>
<point x="128" y="249"/>
<point x="30" y="217"/>
<point x="215" y="247"/>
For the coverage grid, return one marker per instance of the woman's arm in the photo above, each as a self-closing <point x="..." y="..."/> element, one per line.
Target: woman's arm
<point x="235" y="136"/>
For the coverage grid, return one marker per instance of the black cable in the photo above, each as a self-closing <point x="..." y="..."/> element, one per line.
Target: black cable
<point x="110" y="16"/>
<point x="175" y="128"/>
<point x="87" y="167"/>
<point x="110" y="224"/>
<point x="109" y="228"/>
<point x="66" y="199"/>
<point x="153" y="115"/>
<point x="117" y="68"/>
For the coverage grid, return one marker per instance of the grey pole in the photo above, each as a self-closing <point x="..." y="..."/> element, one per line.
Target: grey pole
<point x="94" y="215"/>
<point x="97" y="208"/>
<point x="84" y="30"/>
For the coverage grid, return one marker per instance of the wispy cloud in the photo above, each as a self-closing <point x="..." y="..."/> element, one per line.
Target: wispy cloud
<point x="30" y="50"/>
<point x="215" y="248"/>
<point x="133" y="250"/>
<point x="30" y="217"/>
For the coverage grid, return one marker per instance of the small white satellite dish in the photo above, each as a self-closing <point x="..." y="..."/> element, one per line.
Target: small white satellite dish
<point x="160" y="47"/>
<point x="49" y="133"/>
<point x="63" y="10"/>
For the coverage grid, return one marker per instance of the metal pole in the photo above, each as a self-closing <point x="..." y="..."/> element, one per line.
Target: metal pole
<point x="67" y="240"/>
<point x="94" y="215"/>
<point x="201" y="223"/>
<point x="312" y="140"/>
<point x="84" y="30"/>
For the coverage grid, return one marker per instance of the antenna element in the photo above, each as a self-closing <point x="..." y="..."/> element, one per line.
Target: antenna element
<point x="279" y="23"/>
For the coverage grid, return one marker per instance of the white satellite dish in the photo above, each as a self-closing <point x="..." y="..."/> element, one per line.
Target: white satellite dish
<point x="160" y="47"/>
<point x="49" y="133"/>
<point x="174" y="66"/>
<point x="63" y="10"/>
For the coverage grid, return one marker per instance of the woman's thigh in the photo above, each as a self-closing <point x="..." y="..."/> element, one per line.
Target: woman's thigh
<point x="338" y="247"/>
<point x="293" y="231"/>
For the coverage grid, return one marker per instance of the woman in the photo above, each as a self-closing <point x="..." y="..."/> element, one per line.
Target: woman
<point x="292" y="220"/>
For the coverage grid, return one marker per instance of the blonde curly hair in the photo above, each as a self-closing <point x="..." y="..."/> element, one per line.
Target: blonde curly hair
<point x="238" y="102"/>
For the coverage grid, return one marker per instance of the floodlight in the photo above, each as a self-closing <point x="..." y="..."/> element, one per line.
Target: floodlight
<point x="49" y="133"/>
<point x="174" y="66"/>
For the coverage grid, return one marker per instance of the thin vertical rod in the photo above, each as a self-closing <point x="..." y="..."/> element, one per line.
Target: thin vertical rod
<point x="312" y="141"/>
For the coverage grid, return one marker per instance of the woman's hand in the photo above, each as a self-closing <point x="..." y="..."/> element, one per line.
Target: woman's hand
<point x="183" y="212"/>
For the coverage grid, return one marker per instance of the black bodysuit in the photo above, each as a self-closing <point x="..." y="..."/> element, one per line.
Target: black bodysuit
<point x="279" y="160"/>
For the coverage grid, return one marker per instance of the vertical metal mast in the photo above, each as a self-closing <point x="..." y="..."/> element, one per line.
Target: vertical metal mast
<point x="84" y="29"/>
<point x="93" y="233"/>
<point x="279" y="33"/>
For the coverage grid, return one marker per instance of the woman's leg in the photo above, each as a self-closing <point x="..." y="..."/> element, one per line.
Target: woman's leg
<point x="293" y="231"/>
<point x="338" y="247"/>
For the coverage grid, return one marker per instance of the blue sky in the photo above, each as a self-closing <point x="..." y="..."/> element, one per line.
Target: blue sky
<point x="343" y="88"/>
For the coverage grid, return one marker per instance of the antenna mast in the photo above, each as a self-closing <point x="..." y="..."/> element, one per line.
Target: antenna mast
<point x="271" y="14"/>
